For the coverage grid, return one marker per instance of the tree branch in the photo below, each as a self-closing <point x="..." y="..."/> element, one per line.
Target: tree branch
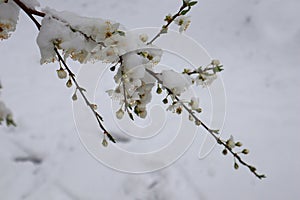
<point x="30" y="13"/>
<point x="212" y="132"/>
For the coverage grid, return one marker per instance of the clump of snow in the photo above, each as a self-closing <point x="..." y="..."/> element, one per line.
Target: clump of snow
<point x="80" y="38"/>
<point x="175" y="81"/>
<point x="9" y="15"/>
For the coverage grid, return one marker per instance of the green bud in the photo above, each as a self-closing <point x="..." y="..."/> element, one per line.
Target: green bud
<point x="224" y="152"/>
<point x="219" y="141"/>
<point x="168" y="18"/>
<point x="165" y="101"/>
<point x="238" y="144"/>
<point x="74" y="97"/>
<point x="192" y="3"/>
<point x="104" y="142"/>
<point x="245" y="151"/>
<point x="158" y="90"/>
<point x="112" y="68"/>
<point x="69" y="83"/>
<point x="185" y="71"/>
<point x="236" y="166"/>
<point x="198" y="110"/>
<point x="150" y="57"/>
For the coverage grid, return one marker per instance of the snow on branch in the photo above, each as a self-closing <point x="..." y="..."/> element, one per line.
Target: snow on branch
<point x="133" y="58"/>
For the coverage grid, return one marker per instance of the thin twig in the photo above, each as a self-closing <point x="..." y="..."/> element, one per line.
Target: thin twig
<point x="212" y="133"/>
<point x="30" y="13"/>
<point x="167" y="25"/>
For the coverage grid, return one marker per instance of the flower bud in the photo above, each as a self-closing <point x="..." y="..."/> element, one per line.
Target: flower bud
<point x="158" y="90"/>
<point x="215" y="62"/>
<point x="61" y="73"/>
<point x="224" y="152"/>
<point x="245" y="151"/>
<point x="143" y="114"/>
<point x="230" y="142"/>
<point x="120" y="114"/>
<point x="104" y="142"/>
<point x="94" y="106"/>
<point x="144" y="37"/>
<point x="168" y="18"/>
<point x="165" y="101"/>
<point x="74" y="97"/>
<point x="198" y="122"/>
<point x="238" y="144"/>
<point x="69" y="83"/>
<point x="191" y="118"/>
<point x="179" y="110"/>
<point x="236" y="166"/>
<point x="198" y="110"/>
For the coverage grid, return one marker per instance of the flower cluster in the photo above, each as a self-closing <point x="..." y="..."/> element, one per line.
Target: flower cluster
<point x="134" y="84"/>
<point x="205" y="76"/>
<point x="183" y="22"/>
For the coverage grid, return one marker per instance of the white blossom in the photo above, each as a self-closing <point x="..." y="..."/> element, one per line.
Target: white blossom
<point x="175" y="107"/>
<point x="120" y="114"/>
<point x="61" y="73"/>
<point x="205" y="80"/>
<point x="183" y="22"/>
<point x="144" y="37"/>
<point x="215" y="62"/>
<point x="194" y="103"/>
<point x="230" y="143"/>
<point x="116" y="95"/>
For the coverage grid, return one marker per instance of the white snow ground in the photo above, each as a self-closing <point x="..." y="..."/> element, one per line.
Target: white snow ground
<point x="258" y="42"/>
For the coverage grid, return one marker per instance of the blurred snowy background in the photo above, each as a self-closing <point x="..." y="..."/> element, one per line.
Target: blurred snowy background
<point x="258" y="42"/>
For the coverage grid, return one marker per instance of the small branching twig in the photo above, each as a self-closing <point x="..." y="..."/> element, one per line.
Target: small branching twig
<point x="93" y="107"/>
<point x="212" y="132"/>
<point x="184" y="9"/>
<point x="203" y="74"/>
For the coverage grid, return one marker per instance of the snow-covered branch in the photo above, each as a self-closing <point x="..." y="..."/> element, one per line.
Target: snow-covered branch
<point x="133" y="58"/>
